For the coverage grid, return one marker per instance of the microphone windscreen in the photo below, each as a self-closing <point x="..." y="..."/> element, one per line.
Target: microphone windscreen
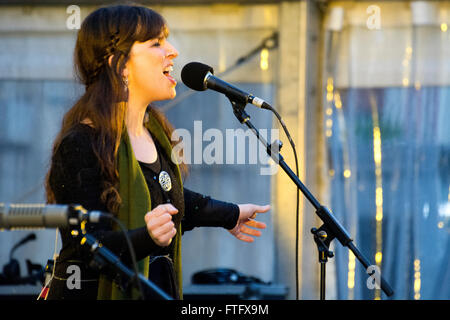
<point x="193" y="75"/>
<point x="31" y="236"/>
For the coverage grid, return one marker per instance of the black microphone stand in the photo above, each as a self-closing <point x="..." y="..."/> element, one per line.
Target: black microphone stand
<point x="331" y="228"/>
<point x="103" y="257"/>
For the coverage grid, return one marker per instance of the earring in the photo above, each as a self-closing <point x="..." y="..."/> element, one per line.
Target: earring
<point x="125" y="81"/>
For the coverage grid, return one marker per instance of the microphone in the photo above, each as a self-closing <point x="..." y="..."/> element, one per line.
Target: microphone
<point x="199" y="77"/>
<point x="30" y="237"/>
<point x="46" y="216"/>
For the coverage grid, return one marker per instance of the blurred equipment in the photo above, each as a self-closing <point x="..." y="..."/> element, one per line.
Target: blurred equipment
<point x="74" y="216"/>
<point x="11" y="271"/>
<point x="224" y="283"/>
<point x="223" y="276"/>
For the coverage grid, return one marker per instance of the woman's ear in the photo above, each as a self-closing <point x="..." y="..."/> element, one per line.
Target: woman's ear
<point x="125" y="73"/>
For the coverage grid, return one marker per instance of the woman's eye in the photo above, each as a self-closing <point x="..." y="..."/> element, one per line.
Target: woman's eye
<point x="158" y="43"/>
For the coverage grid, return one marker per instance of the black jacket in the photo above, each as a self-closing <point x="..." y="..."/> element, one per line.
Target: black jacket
<point x="76" y="178"/>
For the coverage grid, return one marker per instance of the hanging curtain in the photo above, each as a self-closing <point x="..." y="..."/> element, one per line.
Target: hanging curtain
<point x="386" y="102"/>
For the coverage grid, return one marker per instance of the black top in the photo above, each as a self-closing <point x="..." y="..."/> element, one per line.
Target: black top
<point x="76" y="178"/>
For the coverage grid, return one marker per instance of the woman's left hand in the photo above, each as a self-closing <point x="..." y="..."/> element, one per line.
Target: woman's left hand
<point x="247" y="212"/>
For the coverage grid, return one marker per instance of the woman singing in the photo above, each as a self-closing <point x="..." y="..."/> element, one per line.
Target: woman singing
<point x="113" y="154"/>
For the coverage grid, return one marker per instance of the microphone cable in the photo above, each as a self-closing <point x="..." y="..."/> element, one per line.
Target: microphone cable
<point x="132" y="254"/>
<point x="47" y="284"/>
<point x="291" y="141"/>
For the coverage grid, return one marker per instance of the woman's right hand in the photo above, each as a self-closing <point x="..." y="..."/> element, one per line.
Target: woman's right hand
<point x="160" y="225"/>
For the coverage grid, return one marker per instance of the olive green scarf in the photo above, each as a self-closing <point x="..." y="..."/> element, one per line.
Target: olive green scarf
<point x="135" y="204"/>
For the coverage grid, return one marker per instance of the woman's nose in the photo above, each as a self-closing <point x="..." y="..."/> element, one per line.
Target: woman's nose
<point x="171" y="51"/>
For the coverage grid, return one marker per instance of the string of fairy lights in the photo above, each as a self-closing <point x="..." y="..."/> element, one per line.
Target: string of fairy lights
<point x="334" y="98"/>
<point x="417" y="85"/>
<point x="377" y="158"/>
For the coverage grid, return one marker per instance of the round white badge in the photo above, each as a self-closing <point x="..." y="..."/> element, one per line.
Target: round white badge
<point x="164" y="181"/>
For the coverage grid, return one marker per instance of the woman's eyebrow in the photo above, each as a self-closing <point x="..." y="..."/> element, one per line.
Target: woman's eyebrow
<point x="157" y="39"/>
<point x="165" y="32"/>
<point x="163" y="35"/>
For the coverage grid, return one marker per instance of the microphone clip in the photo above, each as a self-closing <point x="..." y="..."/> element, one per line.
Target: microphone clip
<point x="78" y="217"/>
<point x="239" y="110"/>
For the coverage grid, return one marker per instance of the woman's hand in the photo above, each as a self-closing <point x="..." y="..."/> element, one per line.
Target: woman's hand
<point x="247" y="212"/>
<point x="160" y="225"/>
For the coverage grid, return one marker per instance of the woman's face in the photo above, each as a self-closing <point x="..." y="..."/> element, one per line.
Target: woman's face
<point x="148" y="70"/>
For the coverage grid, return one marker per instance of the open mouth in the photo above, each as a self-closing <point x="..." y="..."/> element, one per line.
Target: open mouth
<point x="167" y="71"/>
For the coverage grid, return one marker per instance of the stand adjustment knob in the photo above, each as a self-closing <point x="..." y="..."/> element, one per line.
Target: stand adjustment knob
<point x="279" y="143"/>
<point x="322" y="235"/>
<point x="274" y="147"/>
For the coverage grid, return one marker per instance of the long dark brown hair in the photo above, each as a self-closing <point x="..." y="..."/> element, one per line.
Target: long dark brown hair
<point x="108" y="32"/>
